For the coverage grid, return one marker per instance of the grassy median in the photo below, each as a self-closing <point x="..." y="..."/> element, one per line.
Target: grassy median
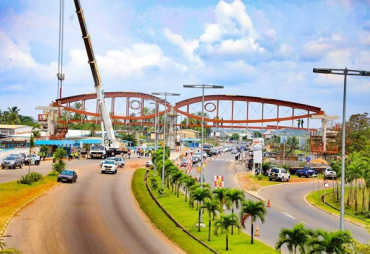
<point x="13" y="195"/>
<point x="187" y="217"/>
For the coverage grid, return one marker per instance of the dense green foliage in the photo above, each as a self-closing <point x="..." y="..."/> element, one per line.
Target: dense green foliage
<point x="12" y="116"/>
<point x="30" y="178"/>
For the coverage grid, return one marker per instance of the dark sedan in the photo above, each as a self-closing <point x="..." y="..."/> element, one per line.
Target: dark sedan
<point x="67" y="175"/>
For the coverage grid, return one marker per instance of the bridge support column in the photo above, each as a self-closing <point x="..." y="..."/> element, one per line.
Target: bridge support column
<point x="171" y="140"/>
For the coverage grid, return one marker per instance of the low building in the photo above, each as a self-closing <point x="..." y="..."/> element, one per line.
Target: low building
<point x="8" y="130"/>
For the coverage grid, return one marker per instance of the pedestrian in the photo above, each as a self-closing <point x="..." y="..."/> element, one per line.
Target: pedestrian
<point x="299" y="122"/>
<point x="129" y="153"/>
<point x="54" y="157"/>
<point x="76" y="155"/>
<point x="302" y="123"/>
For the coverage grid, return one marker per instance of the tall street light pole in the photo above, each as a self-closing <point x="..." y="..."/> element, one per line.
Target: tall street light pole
<point x="345" y="72"/>
<point x="202" y="123"/>
<point x="164" y="128"/>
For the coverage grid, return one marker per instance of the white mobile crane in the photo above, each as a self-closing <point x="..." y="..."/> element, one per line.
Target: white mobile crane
<point x="112" y="144"/>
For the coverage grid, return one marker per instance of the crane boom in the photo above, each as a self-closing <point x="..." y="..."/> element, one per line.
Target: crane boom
<point x="111" y="140"/>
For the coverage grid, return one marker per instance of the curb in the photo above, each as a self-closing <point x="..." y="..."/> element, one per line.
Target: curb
<point x="311" y="204"/>
<point x="174" y="221"/>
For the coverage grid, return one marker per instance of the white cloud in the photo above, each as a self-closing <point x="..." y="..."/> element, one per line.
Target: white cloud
<point x="286" y="50"/>
<point x="231" y="20"/>
<point x="319" y="48"/>
<point x="187" y="46"/>
<point x="13" y="56"/>
<point x="235" y="47"/>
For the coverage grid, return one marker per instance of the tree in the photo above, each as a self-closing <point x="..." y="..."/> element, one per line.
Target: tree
<point x="220" y="195"/>
<point x="291" y="145"/>
<point x="78" y="106"/>
<point x="200" y="195"/>
<point x="235" y="136"/>
<point x="297" y="237"/>
<point x="330" y="242"/>
<point x="187" y="182"/>
<point x="60" y="165"/>
<point x="357" y="133"/>
<point x="34" y="133"/>
<point x="254" y="210"/>
<point x="224" y="223"/>
<point x="234" y="196"/>
<point x="212" y="206"/>
<point x="12" y="115"/>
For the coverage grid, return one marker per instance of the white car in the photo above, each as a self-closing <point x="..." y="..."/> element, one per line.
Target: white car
<point x="330" y="174"/>
<point x="109" y="166"/>
<point x="279" y="174"/>
<point x="149" y="164"/>
<point x="119" y="160"/>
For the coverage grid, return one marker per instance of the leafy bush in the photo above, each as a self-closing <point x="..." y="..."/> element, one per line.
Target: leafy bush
<point x="266" y="166"/>
<point x="30" y="178"/>
<point x="59" y="166"/>
<point x="26" y="179"/>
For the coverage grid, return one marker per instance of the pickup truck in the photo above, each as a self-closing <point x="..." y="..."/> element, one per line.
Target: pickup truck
<point x="330" y="174"/>
<point x="109" y="166"/>
<point x="306" y="172"/>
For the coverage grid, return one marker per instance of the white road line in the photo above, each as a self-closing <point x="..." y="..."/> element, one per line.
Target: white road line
<point x="287" y="214"/>
<point x="305" y="223"/>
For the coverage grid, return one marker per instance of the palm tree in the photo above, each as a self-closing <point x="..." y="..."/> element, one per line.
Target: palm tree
<point x="330" y="242"/>
<point x="224" y="223"/>
<point x="12" y="115"/>
<point x="187" y="182"/>
<point x="34" y="133"/>
<point x="297" y="237"/>
<point x="356" y="169"/>
<point x="220" y="195"/>
<point x="212" y="206"/>
<point x="234" y="196"/>
<point x="200" y="195"/>
<point x="253" y="210"/>
<point x="292" y="144"/>
<point x="78" y="106"/>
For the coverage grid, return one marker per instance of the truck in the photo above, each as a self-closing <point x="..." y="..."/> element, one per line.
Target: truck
<point x="207" y="148"/>
<point x="112" y="145"/>
<point x="98" y="151"/>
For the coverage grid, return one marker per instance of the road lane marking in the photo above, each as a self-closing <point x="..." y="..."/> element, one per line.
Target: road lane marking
<point x="305" y="223"/>
<point x="288" y="215"/>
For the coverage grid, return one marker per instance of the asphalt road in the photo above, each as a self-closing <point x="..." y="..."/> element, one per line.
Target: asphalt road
<point x="97" y="214"/>
<point x="288" y="206"/>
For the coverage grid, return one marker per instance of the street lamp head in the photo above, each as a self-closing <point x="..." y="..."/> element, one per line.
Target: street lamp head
<point x="322" y="70"/>
<point x="188" y="86"/>
<point x="365" y="73"/>
<point x="218" y="87"/>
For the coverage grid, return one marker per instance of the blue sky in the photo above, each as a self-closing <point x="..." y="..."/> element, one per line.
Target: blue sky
<point x="254" y="48"/>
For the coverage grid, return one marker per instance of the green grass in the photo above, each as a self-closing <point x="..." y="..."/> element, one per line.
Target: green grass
<point x="315" y="199"/>
<point x="161" y="221"/>
<point x="188" y="217"/>
<point x="14" y="195"/>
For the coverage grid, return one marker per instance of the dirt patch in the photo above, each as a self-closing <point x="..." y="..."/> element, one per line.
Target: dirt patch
<point x="247" y="183"/>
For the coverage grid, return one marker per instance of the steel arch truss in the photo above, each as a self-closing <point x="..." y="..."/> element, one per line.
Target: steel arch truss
<point x="226" y="111"/>
<point x="127" y="106"/>
<point x="236" y="111"/>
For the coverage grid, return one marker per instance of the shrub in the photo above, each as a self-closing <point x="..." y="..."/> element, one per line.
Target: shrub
<point x="59" y="166"/>
<point x="30" y="178"/>
<point x="26" y="179"/>
<point x="35" y="176"/>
